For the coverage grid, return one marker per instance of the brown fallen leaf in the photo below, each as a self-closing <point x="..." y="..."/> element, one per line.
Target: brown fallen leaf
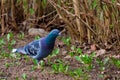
<point x="67" y="57"/>
<point x="100" y="52"/>
<point x="93" y="47"/>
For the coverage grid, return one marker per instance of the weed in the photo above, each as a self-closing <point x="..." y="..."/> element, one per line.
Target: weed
<point x="78" y="72"/>
<point x="9" y="36"/>
<point x="44" y="3"/>
<point x="5" y="54"/>
<point x="10" y="44"/>
<point x="85" y="59"/>
<point x="103" y="63"/>
<point x="66" y="40"/>
<point x="9" y="64"/>
<point x="101" y="75"/>
<point x="16" y="78"/>
<point x="75" y="50"/>
<point x="116" y="62"/>
<point x="55" y="52"/>
<point x="2" y="43"/>
<point x="37" y="37"/>
<point x="24" y="76"/>
<point x="22" y="35"/>
<point x="10" y="40"/>
<point x="31" y="10"/>
<point x="60" y="67"/>
<point x="42" y="63"/>
<point x="33" y="68"/>
<point x="35" y="61"/>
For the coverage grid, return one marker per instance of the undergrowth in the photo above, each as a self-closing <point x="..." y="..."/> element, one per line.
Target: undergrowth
<point x="87" y="62"/>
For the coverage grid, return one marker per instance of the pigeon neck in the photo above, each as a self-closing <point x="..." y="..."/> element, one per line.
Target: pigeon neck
<point x="50" y="39"/>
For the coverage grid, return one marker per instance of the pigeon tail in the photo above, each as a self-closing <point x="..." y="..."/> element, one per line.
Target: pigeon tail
<point x="19" y="50"/>
<point x="14" y="50"/>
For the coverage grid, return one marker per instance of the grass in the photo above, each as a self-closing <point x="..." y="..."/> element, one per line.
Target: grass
<point x="87" y="62"/>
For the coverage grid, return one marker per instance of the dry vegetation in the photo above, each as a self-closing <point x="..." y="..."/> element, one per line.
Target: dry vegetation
<point x="91" y="21"/>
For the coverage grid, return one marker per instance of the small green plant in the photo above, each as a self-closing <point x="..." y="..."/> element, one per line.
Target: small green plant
<point x="41" y="63"/>
<point x="101" y="76"/>
<point x="5" y="54"/>
<point x="31" y="10"/>
<point x="85" y="59"/>
<point x="16" y="78"/>
<point x="37" y="37"/>
<point x="94" y="4"/>
<point x="24" y="76"/>
<point x="10" y="40"/>
<point x="116" y="62"/>
<point x="33" y="68"/>
<point x="7" y="65"/>
<point x="78" y="72"/>
<point x="9" y="36"/>
<point x="35" y="62"/>
<point x="10" y="44"/>
<point x="17" y="56"/>
<point x="55" y="51"/>
<point x="71" y="53"/>
<point x="59" y="2"/>
<point x="113" y="1"/>
<point x="22" y="35"/>
<point x="102" y="63"/>
<point x="2" y="42"/>
<point x="75" y="51"/>
<point x="55" y="67"/>
<point x="44" y="3"/>
<point x="66" y="40"/>
<point x="60" y="67"/>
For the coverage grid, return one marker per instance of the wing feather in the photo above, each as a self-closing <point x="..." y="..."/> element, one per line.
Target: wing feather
<point x="33" y="48"/>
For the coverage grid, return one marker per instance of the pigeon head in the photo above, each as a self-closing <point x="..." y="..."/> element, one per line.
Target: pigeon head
<point x="52" y="35"/>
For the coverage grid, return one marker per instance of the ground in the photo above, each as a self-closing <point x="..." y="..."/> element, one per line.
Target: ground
<point x="60" y="66"/>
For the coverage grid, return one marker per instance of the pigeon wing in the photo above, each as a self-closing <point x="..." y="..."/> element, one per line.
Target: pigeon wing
<point x="33" y="48"/>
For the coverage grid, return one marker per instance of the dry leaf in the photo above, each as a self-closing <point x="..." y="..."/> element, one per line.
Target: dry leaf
<point x="100" y="52"/>
<point x="93" y="47"/>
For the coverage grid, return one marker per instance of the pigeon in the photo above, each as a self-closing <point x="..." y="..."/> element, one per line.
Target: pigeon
<point x="41" y="48"/>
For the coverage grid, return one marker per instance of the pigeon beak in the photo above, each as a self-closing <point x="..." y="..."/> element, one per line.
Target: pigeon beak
<point x="59" y="34"/>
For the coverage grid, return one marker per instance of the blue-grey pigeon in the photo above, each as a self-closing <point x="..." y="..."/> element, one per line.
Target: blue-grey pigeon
<point x="39" y="49"/>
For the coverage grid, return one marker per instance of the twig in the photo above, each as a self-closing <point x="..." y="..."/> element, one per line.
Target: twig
<point x="52" y="20"/>
<point x="55" y="5"/>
